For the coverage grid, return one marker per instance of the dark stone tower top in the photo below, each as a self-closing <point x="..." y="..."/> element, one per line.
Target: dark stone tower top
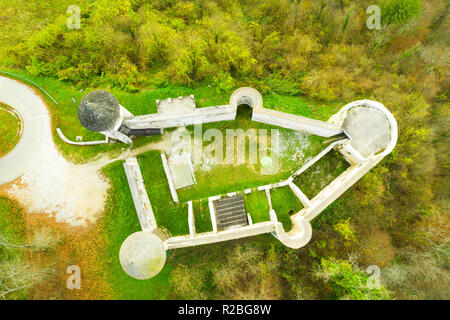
<point x="99" y="111"/>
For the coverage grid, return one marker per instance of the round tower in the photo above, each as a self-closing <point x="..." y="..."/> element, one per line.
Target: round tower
<point x="99" y="111"/>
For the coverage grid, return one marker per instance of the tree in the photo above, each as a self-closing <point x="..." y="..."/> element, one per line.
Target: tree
<point x="17" y="273"/>
<point x="399" y="11"/>
<point x="42" y="239"/>
<point x="346" y="281"/>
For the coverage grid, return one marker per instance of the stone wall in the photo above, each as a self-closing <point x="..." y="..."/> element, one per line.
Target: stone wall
<point x="139" y="194"/>
<point x="173" y="191"/>
<point x="212" y="237"/>
<point x="196" y="116"/>
<point x="290" y="121"/>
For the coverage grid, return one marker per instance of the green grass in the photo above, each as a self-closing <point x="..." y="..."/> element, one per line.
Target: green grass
<point x="301" y="106"/>
<point x="10" y="126"/>
<point x="257" y="205"/>
<point x="202" y="216"/>
<point x="321" y="174"/>
<point x="224" y="178"/>
<point x="284" y="202"/>
<point x="118" y="222"/>
<point x="168" y="214"/>
<point x="12" y="222"/>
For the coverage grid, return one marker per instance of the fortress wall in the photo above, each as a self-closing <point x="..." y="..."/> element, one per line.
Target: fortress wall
<point x="294" y="122"/>
<point x="298" y="237"/>
<point x="212" y="212"/>
<point x="336" y="188"/>
<point x="117" y="135"/>
<point x="300" y="195"/>
<point x="191" y="220"/>
<point x="212" y="237"/>
<point x="314" y="160"/>
<point x="173" y="191"/>
<point x="301" y="231"/>
<point x="139" y="194"/>
<point x="197" y="116"/>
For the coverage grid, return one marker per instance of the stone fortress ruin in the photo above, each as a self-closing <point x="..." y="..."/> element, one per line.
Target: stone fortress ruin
<point x="367" y="132"/>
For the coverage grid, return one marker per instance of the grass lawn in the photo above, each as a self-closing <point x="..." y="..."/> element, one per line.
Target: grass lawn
<point x="169" y="215"/>
<point x="202" y="216"/>
<point x="322" y="173"/>
<point x="10" y="126"/>
<point x="257" y="205"/>
<point x="285" y="203"/>
<point x="301" y="106"/>
<point x="224" y="178"/>
<point x="118" y="222"/>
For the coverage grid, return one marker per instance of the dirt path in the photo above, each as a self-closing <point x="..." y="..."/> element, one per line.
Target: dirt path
<point x="43" y="180"/>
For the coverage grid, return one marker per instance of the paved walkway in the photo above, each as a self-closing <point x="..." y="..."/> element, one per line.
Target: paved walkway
<point x="36" y="128"/>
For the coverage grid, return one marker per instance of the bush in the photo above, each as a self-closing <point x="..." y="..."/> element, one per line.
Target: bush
<point x="348" y="282"/>
<point x="399" y="11"/>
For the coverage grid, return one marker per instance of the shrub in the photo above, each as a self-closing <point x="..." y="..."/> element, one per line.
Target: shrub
<point x="377" y="249"/>
<point x="348" y="282"/>
<point x="345" y="229"/>
<point x="399" y="11"/>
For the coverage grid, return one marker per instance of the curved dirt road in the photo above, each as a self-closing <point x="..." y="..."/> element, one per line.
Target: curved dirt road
<point x="47" y="183"/>
<point x="36" y="129"/>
